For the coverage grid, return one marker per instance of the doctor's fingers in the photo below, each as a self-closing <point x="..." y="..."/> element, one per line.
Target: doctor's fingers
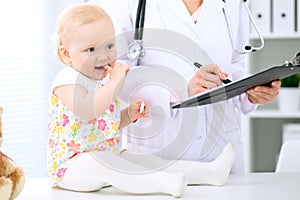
<point x="200" y="85"/>
<point x="262" y="94"/>
<point x="259" y="98"/>
<point x="196" y="89"/>
<point x="270" y="90"/>
<point x="210" y="79"/>
<point x="213" y="69"/>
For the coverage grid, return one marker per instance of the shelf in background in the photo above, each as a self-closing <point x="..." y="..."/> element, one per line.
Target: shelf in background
<point x="274" y="36"/>
<point x="274" y="114"/>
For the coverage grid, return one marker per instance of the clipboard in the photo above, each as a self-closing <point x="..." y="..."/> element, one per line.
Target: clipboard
<point x="230" y="90"/>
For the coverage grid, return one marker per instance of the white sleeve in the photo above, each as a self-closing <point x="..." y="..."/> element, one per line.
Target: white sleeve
<point x="239" y="62"/>
<point x="67" y="76"/>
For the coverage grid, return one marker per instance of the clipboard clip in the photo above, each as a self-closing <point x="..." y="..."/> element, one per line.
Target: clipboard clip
<point x="294" y="61"/>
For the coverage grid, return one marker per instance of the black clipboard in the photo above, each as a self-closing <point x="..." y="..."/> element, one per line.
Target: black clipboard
<point x="230" y="90"/>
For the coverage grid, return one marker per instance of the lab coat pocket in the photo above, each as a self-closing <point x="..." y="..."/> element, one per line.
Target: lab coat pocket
<point x="231" y="121"/>
<point x="231" y="125"/>
<point x="233" y="136"/>
<point x="222" y="117"/>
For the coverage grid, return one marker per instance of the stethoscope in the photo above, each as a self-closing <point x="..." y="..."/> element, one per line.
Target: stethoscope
<point x="137" y="51"/>
<point x="247" y="48"/>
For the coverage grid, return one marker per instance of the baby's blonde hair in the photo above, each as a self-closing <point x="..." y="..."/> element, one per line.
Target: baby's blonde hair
<point x="76" y="15"/>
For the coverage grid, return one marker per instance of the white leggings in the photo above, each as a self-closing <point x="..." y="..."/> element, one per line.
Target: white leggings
<point x="88" y="174"/>
<point x="136" y="173"/>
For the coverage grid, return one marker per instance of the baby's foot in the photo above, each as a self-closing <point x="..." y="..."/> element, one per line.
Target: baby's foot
<point x="180" y="184"/>
<point x="222" y="165"/>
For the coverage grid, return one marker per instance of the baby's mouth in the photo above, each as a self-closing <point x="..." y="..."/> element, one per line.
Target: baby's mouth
<point x="100" y="68"/>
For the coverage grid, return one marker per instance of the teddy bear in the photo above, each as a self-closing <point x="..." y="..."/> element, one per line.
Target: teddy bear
<point x="12" y="177"/>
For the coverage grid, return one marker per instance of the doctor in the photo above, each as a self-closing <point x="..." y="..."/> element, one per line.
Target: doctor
<point x="203" y="22"/>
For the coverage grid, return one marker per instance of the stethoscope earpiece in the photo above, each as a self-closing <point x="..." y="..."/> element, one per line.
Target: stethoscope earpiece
<point x="248" y="48"/>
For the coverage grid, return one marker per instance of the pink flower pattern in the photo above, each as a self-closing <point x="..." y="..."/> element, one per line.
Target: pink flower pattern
<point x="63" y="148"/>
<point x="111" y="108"/>
<point x="101" y="124"/>
<point x="65" y="120"/>
<point x="61" y="172"/>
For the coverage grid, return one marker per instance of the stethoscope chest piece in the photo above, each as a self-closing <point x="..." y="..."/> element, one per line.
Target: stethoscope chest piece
<point x="136" y="50"/>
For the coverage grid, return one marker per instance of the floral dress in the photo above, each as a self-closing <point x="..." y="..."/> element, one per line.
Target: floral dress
<point x="69" y="135"/>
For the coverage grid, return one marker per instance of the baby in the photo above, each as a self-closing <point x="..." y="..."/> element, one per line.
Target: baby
<point x="84" y="151"/>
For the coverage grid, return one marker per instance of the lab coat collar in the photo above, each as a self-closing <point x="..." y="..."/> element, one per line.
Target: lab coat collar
<point x="210" y="10"/>
<point x="178" y="8"/>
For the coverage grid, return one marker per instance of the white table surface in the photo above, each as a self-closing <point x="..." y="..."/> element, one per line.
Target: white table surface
<point x="256" y="186"/>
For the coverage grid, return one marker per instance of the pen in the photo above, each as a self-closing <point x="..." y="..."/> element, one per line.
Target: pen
<point x="198" y="65"/>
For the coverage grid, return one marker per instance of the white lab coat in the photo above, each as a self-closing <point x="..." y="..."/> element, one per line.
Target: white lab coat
<point x="183" y="134"/>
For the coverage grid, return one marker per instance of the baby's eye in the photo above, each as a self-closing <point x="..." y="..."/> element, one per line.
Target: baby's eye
<point x="110" y="46"/>
<point x="90" y="50"/>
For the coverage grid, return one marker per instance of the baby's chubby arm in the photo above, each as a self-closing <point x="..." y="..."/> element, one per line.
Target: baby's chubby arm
<point x="89" y="105"/>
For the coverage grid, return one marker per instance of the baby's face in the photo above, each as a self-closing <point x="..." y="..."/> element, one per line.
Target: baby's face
<point x="91" y="47"/>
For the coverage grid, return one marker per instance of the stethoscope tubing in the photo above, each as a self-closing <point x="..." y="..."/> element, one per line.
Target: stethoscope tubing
<point x="248" y="48"/>
<point x="139" y="26"/>
<point x="140" y="19"/>
<point x="262" y="42"/>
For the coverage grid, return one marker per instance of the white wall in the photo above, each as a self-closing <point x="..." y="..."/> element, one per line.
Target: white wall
<point x="27" y="67"/>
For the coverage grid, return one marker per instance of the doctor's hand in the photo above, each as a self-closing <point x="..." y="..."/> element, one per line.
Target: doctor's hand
<point x="264" y="94"/>
<point x="207" y="77"/>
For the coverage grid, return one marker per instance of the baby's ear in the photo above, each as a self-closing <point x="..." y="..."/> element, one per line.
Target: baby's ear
<point x="64" y="55"/>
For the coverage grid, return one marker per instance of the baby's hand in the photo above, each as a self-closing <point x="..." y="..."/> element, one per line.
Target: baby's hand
<point x="137" y="110"/>
<point x="118" y="71"/>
